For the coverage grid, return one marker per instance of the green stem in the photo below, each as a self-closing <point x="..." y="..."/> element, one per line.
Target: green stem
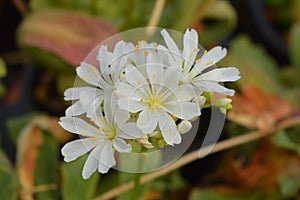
<point x="136" y="187"/>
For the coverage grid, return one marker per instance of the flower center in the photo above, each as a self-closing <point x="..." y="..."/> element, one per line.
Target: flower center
<point x="111" y="133"/>
<point x="154" y="101"/>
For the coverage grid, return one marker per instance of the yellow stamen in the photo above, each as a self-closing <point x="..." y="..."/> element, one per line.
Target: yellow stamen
<point x="102" y="119"/>
<point x="146" y="52"/>
<point x="141" y="100"/>
<point x="196" y="50"/>
<point x="87" y="127"/>
<point x="139" y="83"/>
<point x="198" y="60"/>
<point x="136" y="49"/>
<point x="205" y="51"/>
<point x="95" y="72"/>
<point x="101" y="129"/>
<point x="209" y="63"/>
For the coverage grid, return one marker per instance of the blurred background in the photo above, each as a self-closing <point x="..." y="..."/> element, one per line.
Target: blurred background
<point x="42" y="42"/>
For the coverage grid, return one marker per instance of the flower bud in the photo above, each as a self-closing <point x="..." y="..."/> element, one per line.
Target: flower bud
<point x="200" y="100"/>
<point x="144" y="141"/>
<point x="184" y="126"/>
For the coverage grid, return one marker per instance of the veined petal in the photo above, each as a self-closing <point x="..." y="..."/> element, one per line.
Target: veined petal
<point x="147" y="121"/>
<point x="94" y="111"/>
<point x="168" y="129"/>
<point x="78" y="126"/>
<point x="131" y="105"/>
<point x="129" y="131"/>
<point x="107" y="155"/>
<point x="220" y="75"/>
<point x="74" y="149"/>
<point x="135" y="78"/>
<point x="155" y="70"/>
<point x="89" y="74"/>
<point x="171" y="78"/>
<point x="75" y="109"/>
<point x="184" y="92"/>
<point x="120" y="116"/>
<point x="172" y="46"/>
<point x="190" y="48"/>
<point x="103" y="168"/>
<point x="104" y="58"/>
<point x="209" y="59"/>
<point x="92" y="162"/>
<point x="211" y="86"/>
<point x="74" y="92"/>
<point x="127" y="90"/>
<point x="183" y="110"/>
<point x="121" y="146"/>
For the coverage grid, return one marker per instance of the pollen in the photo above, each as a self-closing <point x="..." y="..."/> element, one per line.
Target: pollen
<point x="96" y="138"/>
<point x="198" y="60"/>
<point x="141" y="100"/>
<point x="146" y="52"/>
<point x="83" y="134"/>
<point x="95" y="72"/>
<point x="205" y="51"/>
<point x="196" y="50"/>
<point x="209" y="63"/>
<point x="154" y="76"/>
<point x="139" y="83"/>
<point x="87" y="127"/>
<point x="102" y="119"/>
<point x="101" y="129"/>
<point x="136" y="49"/>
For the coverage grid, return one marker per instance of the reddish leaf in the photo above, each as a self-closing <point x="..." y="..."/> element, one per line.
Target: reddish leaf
<point x="256" y="109"/>
<point x="69" y="35"/>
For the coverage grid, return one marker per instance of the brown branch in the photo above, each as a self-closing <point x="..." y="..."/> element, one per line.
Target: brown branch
<point x="220" y="146"/>
<point x="155" y="16"/>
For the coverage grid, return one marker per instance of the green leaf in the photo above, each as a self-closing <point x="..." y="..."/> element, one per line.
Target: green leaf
<point x="295" y="46"/>
<point x="184" y="19"/>
<point x="284" y="140"/>
<point x="15" y="125"/>
<point x="224" y="20"/>
<point x="256" y="66"/>
<point x="289" y="185"/>
<point x="2" y="68"/>
<point x="8" y="179"/>
<point x="73" y="185"/>
<point x="46" y="171"/>
<point x="214" y="195"/>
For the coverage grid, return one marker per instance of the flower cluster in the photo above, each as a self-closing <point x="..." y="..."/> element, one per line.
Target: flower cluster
<point x="144" y="94"/>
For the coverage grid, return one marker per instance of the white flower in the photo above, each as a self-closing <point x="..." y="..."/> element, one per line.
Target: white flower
<point x="102" y="79"/>
<point x="158" y="100"/>
<point x="197" y="69"/>
<point x="101" y="139"/>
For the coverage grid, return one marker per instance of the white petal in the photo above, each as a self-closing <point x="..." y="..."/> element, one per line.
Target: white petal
<point x="75" y="109"/>
<point x="135" y="78"/>
<point x="170" y="42"/>
<point x="147" y="121"/>
<point x="190" y="48"/>
<point x="121" y="116"/>
<point x="89" y="74"/>
<point x="127" y="90"/>
<point x="171" y="78"/>
<point x="183" y="110"/>
<point x="78" y="126"/>
<point x="121" y="146"/>
<point x="103" y="168"/>
<point x="155" y="69"/>
<point x="110" y="104"/>
<point x="129" y="131"/>
<point x="210" y="86"/>
<point x="104" y="58"/>
<point x="209" y="59"/>
<point x="184" y="92"/>
<point x="130" y="105"/>
<point x="77" y="148"/>
<point x="92" y="162"/>
<point x="169" y="130"/>
<point x="74" y="93"/>
<point x="94" y="111"/>
<point x="220" y="75"/>
<point x="107" y="156"/>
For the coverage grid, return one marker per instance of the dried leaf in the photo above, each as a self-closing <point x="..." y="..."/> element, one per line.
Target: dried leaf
<point x="66" y="34"/>
<point x="28" y="146"/>
<point x="257" y="109"/>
